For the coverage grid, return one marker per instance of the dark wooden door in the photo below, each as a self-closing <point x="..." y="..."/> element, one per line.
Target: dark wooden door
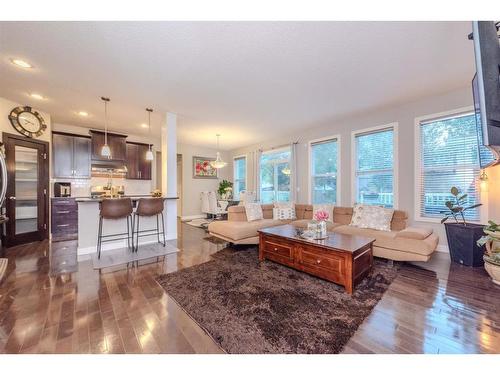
<point x="81" y="157"/>
<point x="116" y="143"/>
<point x="97" y="143"/>
<point x="132" y="161"/>
<point x="27" y="201"/>
<point x="62" y="147"/>
<point x="144" y="165"/>
<point x="118" y="147"/>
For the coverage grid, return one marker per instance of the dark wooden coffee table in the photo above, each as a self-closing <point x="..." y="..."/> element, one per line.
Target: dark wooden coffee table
<point x="341" y="258"/>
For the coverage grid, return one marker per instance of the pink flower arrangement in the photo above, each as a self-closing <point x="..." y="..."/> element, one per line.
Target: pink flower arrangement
<point x="321" y="215"/>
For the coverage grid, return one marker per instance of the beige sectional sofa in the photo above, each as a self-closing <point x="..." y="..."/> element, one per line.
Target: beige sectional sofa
<point x="401" y="243"/>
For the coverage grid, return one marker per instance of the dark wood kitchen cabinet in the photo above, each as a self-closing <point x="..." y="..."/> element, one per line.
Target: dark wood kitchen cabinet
<point x="116" y="143"/>
<point x="138" y="168"/>
<point x="64" y="215"/>
<point x="71" y="155"/>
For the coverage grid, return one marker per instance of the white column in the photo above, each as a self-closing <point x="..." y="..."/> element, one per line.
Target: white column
<point x="169" y="172"/>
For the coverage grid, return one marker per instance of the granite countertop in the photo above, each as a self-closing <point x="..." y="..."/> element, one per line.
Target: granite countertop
<point x="133" y="197"/>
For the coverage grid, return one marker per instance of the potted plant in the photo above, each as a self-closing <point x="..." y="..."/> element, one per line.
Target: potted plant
<point x="492" y="250"/>
<point x="462" y="236"/>
<point x="225" y="189"/>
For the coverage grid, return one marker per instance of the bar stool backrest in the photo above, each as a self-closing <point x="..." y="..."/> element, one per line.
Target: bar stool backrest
<point x="116" y="208"/>
<point x="149" y="206"/>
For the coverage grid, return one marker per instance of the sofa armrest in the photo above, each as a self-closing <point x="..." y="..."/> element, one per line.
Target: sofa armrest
<point x="415" y="233"/>
<point x="236" y="213"/>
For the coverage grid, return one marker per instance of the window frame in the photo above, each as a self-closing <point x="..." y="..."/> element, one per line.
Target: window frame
<point x="246" y="171"/>
<point x="336" y="137"/>
<point x="270" y="151"/>
<point x="395" y="160"/>
<point x="483" y="195"/>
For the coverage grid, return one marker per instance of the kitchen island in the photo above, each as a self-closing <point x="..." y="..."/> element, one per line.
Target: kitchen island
<point x="88" y="223"/>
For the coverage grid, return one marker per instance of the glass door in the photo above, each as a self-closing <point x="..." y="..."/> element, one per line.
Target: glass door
<point x="27" y="189"/>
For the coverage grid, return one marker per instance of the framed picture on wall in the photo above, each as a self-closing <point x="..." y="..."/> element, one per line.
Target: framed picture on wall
<point x="202" y="168"/>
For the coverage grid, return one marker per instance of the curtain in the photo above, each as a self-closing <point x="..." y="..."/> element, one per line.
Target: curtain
<point x="293" y="172"/>
<point x="256" y="173"/>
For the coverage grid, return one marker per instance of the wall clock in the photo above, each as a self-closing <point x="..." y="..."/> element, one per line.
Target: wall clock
<point x="27" y="121"/>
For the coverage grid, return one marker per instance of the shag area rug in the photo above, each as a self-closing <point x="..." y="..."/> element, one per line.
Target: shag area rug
<point x="252" y="307"/>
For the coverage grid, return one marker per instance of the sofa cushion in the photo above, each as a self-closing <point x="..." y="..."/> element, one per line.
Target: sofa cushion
<point x="238" y="230"/>
<point x="284" y="211"/>
<point x="343" y="215"/>
<point x="303" y="211"/>
<point x="415" y="233"/>
<point x="372" y="217"/>
<point x="253" y="211"/>
<point x="390" y="240"/>
<point x="303" y="224"/>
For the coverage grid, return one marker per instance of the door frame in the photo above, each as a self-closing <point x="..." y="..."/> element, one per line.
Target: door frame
<point x="10" y="238"/>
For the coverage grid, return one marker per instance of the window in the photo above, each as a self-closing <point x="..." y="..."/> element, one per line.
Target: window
<point x="275" y="176"/>
<point x="239" y="176"/>
<point x="323" y="178"/>
<point x="374" y="167"/>
<point x="448" y="155"/>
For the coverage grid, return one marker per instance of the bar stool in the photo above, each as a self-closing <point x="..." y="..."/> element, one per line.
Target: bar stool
<point x="114" y="209"/>
<point x="148" y="207"/>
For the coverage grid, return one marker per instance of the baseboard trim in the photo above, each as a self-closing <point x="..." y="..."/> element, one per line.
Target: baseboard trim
<point x="192" y="217"/>
<point x="119" y="244"/>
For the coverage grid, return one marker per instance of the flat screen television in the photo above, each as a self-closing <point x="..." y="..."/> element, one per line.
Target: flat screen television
<point x="486" y="89"/>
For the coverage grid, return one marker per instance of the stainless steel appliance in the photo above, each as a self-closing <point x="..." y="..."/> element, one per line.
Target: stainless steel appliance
<point x="3" y="180"/>
<point x="3" y="218"/>
<point x="62" y="189"/>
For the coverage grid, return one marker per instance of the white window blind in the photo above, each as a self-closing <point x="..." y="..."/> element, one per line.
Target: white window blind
<point x="449" y="157"/>
<point x="323" y="181"/>
<point x="374" y="167"/>
<point x="239" y="176"/>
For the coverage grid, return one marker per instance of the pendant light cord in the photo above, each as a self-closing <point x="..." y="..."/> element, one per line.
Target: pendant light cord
<point x="105" y="100"/>
<point x="149" y="125"/>
<point x="105" y="123"/>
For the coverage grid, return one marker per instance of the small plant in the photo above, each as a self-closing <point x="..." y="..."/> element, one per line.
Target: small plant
<point x="492" y="231"/>
<point x="225" y="188"/>
<point x="455" y="208"/>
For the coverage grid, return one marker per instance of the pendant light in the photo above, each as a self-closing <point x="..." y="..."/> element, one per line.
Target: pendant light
<point x="218" y="162"/>
<point x="149" y="153"/>
<point x="105" y="151"/>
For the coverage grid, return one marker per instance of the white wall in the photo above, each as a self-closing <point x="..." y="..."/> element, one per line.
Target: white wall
<point x="192" y="187"/>
<point x="405" y="115"/>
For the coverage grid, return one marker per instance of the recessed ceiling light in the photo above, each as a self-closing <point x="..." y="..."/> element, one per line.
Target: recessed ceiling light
<point x="83" y="113"/>
<point x="37" y="96"/>
<point x="21" y="63"/>
<point x="144" y="125"/>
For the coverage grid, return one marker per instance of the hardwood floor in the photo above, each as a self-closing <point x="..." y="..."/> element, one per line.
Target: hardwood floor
<point x="50" y="303"/>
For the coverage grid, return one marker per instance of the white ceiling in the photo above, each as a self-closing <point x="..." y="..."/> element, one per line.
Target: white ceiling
<point x="249" y="81"/>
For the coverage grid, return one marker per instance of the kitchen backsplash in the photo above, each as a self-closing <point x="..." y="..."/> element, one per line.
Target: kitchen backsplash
<point x="81" y="187"/>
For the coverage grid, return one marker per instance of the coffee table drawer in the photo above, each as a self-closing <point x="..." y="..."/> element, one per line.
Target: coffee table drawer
<point x="316" y="259"/>
<point x="274" y="248"/>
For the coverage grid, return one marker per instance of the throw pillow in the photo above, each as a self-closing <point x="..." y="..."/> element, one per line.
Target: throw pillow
<point x="324" y="207"/>
<point x="372" y="217"/>
<point x="284" y="211"/>
<point x="254" y="211"/>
